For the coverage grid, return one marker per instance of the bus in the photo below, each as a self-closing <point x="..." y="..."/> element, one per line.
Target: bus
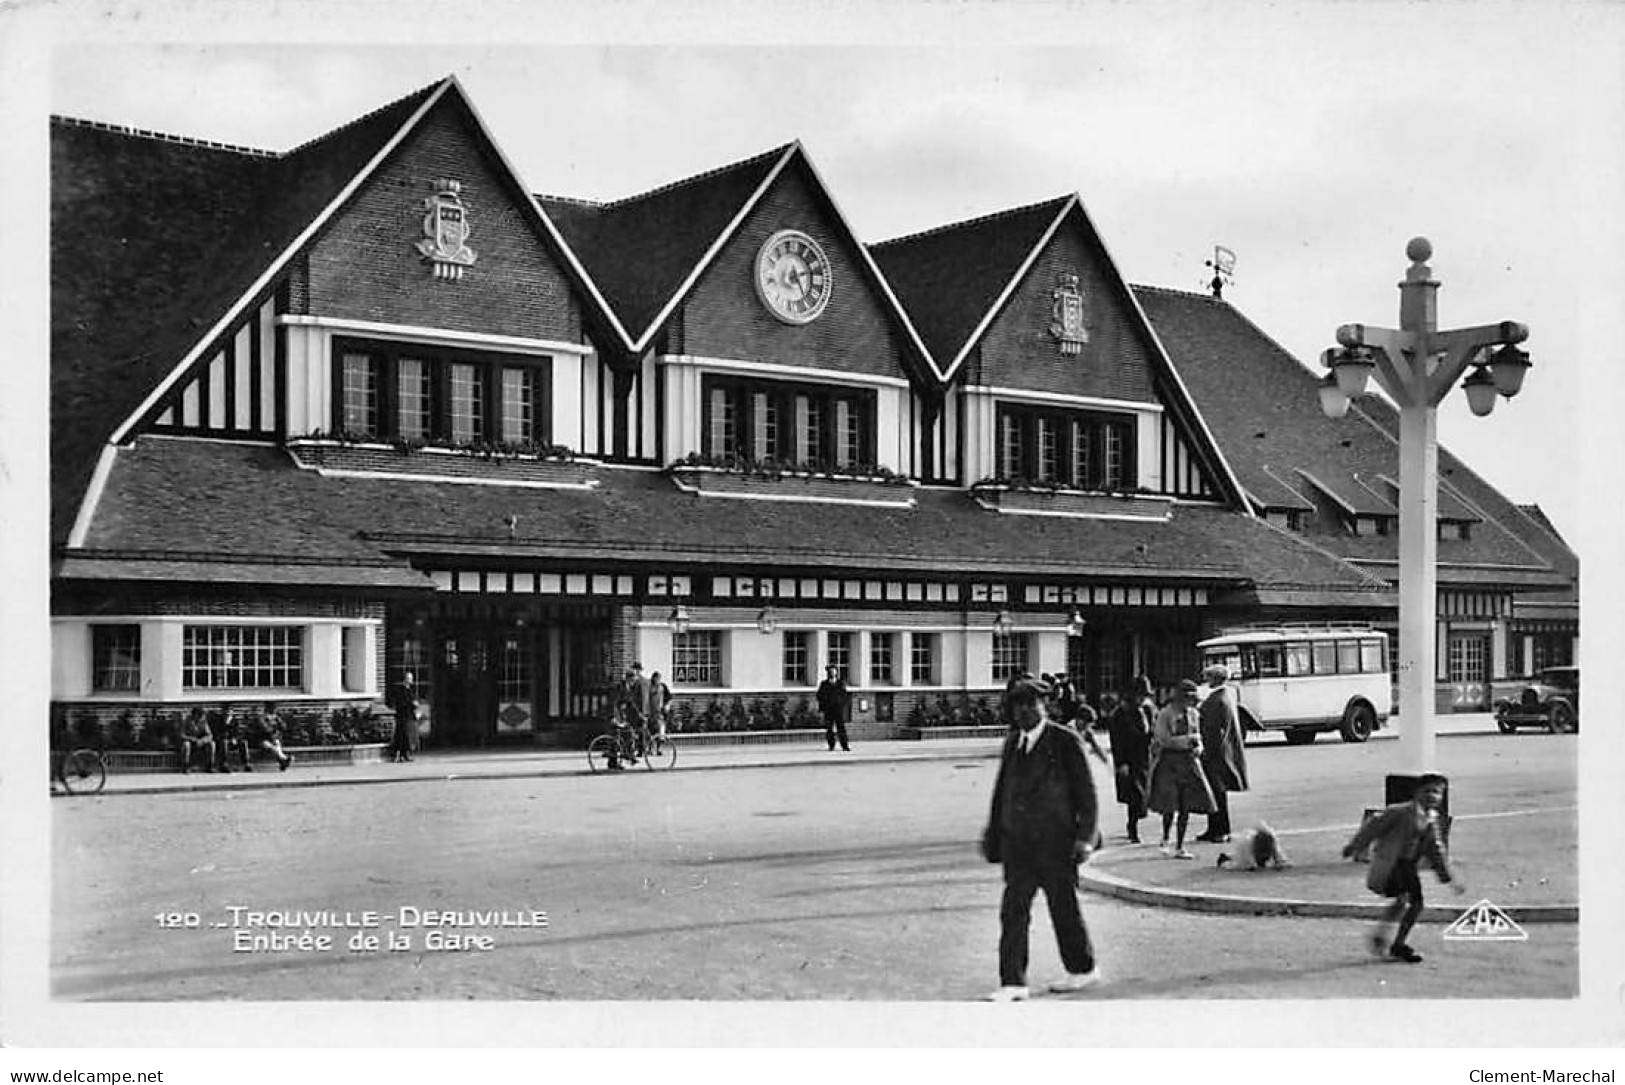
<point x="1304" y="679"/>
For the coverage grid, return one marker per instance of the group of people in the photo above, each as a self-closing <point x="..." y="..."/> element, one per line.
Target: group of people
<point x="1177" y="759"/>
<point x="238" y="739"/>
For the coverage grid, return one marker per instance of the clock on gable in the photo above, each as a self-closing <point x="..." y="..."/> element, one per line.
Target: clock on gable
<point x="792" y="277"/>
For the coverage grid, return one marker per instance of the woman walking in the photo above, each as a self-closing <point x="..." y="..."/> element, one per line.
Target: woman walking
<point x="1179" y="788"/>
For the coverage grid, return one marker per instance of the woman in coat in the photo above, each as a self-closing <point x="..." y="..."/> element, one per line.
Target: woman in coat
<point x="1129" y="725"/>
<point x="1179" y="787"/>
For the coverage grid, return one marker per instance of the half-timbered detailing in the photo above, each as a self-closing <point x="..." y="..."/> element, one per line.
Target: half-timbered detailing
<point x="1182" y="473"/>
<point x="231" y="392"/>
<point x="1103" y="595"/>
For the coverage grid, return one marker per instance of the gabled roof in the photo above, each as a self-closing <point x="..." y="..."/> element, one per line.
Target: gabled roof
<point x="259" y="503"/>
<point x="1226" y="361"/>
<point x="952" y="278"/>
<point x="188" y="228"/>
<point x="640" y="250"/>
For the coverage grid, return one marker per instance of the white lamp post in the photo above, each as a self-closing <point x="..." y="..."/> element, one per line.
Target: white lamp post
<point x="1417" y="365"/>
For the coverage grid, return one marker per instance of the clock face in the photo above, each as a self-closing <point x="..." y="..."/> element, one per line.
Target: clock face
<point x="792" y="277"/>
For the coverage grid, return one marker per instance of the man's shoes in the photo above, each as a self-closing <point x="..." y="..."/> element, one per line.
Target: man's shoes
<point x="1166" y="848"/>
<point x="248" y="768"/>
<point x="1009" y="993"/>
<point x="287" y="763"/>
<point x="1183" y="854"/>
<point x="1399" y="951"/>
<point x="1076" y="981"/>
<point x="846" y="749"/>
<point x="1213" y="838"/>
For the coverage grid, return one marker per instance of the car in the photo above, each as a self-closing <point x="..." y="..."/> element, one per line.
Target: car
<point x="1551" y="700"/>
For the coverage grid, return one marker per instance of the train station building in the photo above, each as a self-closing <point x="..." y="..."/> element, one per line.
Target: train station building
<point x="370" y="405"/>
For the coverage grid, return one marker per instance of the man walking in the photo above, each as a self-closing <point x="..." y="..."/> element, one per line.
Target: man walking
<point x="835" y="705"/>
<point x="403" y="699"/>
<point x="1224" y="755"/>
<point x="1041" y="826"/>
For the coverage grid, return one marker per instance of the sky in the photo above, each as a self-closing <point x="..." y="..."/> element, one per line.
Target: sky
<point x="1312" y="139"/>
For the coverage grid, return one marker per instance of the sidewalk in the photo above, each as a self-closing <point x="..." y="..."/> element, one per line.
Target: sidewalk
<point x="1317" y="884"/>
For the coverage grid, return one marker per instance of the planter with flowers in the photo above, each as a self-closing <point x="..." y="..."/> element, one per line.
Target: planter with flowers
<point x="1036" y="497"/>
<point x="520" y="463"/>
<point x="862" y="484"/>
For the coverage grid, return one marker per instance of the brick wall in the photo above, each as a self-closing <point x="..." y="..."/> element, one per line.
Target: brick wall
<point x="724" y="318"/>
<point x="1019" y="352"/>
<point x="365" y="265"/>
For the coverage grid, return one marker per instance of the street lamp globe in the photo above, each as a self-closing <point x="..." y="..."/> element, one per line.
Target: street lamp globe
<point x="1481" y="392"/>
<point x="1508" y="366"/>
<point x="1334" y="402"/>
<point x="679" y="619"/>
<point x="767" y="620"/>
<point x="1003" y="623"/>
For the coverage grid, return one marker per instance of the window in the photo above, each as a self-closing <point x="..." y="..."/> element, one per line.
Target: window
<point x="243" y="657"/>
<point x="1297" y="659"/>
<point x="352" y="658"/>
<point x="513" y="671"/>
<point x="880" y="660"/>
<point x="840" y="655"/>
<point x="361" y="407"/>
<point x="1371" y="656"/>
<point x="1467" y="656"/>
<point x="922" y="663"/>
<point x="115" y="652"/>
<point x="696" y="658"/>
<point x="1325" y="652"/>
<point x="792" y="423"/>
<point x="393" y="392"/>
<point x="1269" y="661"/>
<point x="1083" y="450"/>
<point x="798" y="659"/>
<point x="467" y="404"/>
<point x="1009" y="655"/>
<point x="412" y="398"/>
<point x="1348" y="657"/>
<point x="518" y="404"/>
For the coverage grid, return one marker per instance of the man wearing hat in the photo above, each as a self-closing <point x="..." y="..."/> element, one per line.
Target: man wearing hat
<point x="1179" y="787"/>
<point x="1224" y="756"/>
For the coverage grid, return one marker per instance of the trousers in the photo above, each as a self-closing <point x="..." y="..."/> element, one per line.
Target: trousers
<point x="1059" y="881"/>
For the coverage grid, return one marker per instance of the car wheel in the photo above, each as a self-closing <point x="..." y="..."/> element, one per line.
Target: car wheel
<point x="1562" y="720"/>
<point x="1358" y="723"/>
<point x="1299" y="736"/>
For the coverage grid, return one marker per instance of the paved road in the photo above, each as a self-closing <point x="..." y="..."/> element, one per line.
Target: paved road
<point x="822" y="881"/>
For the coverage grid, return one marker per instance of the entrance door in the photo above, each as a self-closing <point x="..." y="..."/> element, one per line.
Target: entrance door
<point x="1468" y="662"/>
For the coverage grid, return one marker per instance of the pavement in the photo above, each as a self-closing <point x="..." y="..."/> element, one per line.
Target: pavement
<point x="1311" y="885"/>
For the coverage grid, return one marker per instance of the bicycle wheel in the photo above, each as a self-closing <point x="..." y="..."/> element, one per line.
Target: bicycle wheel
<point x="662" y="752"/>
<point x="598" y="751"/>
<point x="83" y="772"/>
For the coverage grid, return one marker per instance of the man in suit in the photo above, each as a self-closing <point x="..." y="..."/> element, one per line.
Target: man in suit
<point x="1041" y="826"/>
<point x="1224" y="755"/>
<point x="835" y="705"/>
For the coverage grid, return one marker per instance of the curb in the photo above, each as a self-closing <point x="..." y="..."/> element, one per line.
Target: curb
<point x="282" y="781"/>
<point x="1110" y="885"/>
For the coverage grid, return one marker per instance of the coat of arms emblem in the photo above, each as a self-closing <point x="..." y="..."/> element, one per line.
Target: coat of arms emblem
<point x="445" y="232"/>
<point x="1067" y="312"/>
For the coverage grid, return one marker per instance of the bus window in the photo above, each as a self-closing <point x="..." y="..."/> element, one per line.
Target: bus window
<point x="1371" y="656"/>
<point x="1348" y="656"/>
<point x="1269" y="661"/>
<point x="1297" y="659"/>
<point x="1325" y="657"/>
<point x="1249" y="662"/>
<point x="1229" y="659"/>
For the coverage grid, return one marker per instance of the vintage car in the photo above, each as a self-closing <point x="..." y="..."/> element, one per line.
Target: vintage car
<point x="1551" y="701"/>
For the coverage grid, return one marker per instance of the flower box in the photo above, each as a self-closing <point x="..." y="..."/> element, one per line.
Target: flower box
<point x="331" y="457"/>
<point x="1030" y="501"/>
<point x="810" y="486"/>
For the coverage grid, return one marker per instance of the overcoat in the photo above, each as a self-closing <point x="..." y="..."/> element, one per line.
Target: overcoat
<point x="1043" y="801"/>
<point x="1178" y="784"/>
<point x="1224" y="755"/>
<point x="1401" y="833"/>
<point x="1130" y="730"/>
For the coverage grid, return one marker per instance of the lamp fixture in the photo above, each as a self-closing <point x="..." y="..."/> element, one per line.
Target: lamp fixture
<point x="767" y="620"/>
<point x="1075" y="623"/>
<point x="1334" y="402"/>
<point x="1481" y="391"/>
<point x="1507" y="366"/>
<point x="679" y="619"/>
<point x="1003" y="623"/>
<point x="1352" y="366"/>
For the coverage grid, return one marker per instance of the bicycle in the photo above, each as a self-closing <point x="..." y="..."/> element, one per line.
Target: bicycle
<point x="624" y="745"/>
<point x="80" y="771"/>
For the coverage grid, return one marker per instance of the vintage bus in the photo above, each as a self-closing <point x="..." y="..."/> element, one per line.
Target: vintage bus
<point x="1305" y="679"/>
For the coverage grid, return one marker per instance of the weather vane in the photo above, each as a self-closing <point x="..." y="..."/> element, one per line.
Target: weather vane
<point x="1224" y="269"/>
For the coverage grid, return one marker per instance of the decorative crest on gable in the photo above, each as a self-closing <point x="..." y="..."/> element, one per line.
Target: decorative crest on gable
<point x="445" y="231"/>
<point x="1067" y="326"/>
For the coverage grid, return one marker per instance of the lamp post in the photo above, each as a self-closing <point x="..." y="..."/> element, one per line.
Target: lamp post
<point x="1416" y="364"/>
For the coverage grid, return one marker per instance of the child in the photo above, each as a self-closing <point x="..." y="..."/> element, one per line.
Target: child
<point x="1260" y="850"/>
<point x="1403" y="835"/>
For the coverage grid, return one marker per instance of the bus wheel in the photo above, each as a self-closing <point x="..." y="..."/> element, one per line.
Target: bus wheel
<point x="1299" y="736"/>
<point x="1358" y="723"/>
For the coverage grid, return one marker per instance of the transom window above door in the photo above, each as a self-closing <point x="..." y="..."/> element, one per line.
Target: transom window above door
<point x="787" y="422"/>
<point x="400" y="392"/>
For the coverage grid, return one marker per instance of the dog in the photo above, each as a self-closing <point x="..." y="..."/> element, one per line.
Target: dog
<point x="1260" y="850"/>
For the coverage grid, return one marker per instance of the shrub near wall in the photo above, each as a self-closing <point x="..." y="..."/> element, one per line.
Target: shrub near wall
<point x="155" y="727"/>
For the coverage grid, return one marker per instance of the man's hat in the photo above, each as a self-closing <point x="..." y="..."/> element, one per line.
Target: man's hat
<point x="1187" y="688"/>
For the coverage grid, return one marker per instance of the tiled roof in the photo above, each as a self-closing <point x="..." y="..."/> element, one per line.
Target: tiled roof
<point x="153" y="239"/>
<point x="202" y="569"/>
<point x="169" y="495"/>
<point x="1225" y="361"/>
<point x="949" y="278"/>
<point x="640" y="249"/>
